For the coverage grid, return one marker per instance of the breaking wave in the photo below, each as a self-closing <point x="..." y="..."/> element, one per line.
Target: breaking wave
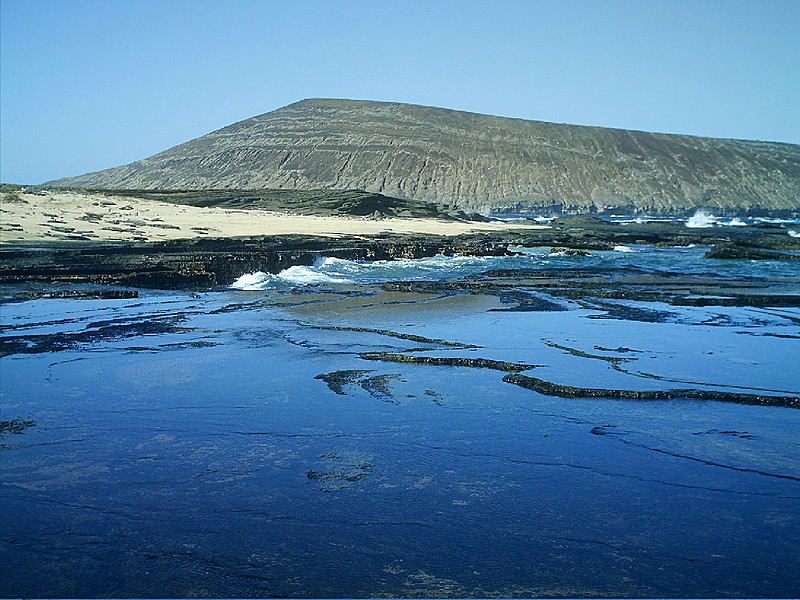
<point x="339" y="270"/>
<point x="329" y="270"/>
<point x="701" y="219"/>
<point x="296" y="275"/>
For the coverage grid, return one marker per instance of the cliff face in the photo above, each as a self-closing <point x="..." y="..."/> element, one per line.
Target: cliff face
<point x="471" y="161"/>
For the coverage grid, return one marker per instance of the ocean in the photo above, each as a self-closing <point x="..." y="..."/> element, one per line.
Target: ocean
<point x="647" y="258"/>
<point x="358" y="429"/>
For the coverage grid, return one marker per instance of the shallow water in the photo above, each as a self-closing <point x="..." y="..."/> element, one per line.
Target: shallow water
<point x="185" y="445"/>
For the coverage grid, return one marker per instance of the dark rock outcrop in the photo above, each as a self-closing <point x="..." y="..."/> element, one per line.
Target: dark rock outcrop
<point x="568" y="391"/>
<point x="323" y="203"/>
<point x="448" y="361"/>
<point x="209" y="262"/>
<point x="737" y="251"/>
<point x="471" y="161"/>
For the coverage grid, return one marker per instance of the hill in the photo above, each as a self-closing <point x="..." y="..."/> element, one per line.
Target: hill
<point x="471" y="161"/>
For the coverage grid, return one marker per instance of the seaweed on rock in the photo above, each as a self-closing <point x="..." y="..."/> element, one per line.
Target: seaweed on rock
<point x="450" y="361"/>
<point x="549" y="388"/>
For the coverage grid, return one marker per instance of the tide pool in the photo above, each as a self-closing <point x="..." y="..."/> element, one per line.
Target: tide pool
<point x="238" y="443"/>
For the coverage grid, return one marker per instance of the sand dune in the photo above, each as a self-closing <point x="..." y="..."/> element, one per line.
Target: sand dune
<point x="77" y="216"/>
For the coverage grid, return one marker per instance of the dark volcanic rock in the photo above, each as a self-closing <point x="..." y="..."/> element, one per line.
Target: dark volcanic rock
<point x="208" y="262"/>
<point x="471" y="161"/>
<point x="96" y="332"/>
<point x="13" y="427"/>
<point x="325" y="203"/>
<point x="449" y="361"/>
<point x="568" y="251"/>
<point x="567" y="391"/>
<point x="527" y="302"/>
<point x="735" y="251"/>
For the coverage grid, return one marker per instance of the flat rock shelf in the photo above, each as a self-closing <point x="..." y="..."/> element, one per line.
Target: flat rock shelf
<point x="479" y="416"/>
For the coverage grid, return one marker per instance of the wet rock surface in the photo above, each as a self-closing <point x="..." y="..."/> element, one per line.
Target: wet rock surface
<point x="377" y="386"/>
<point x="590" y="288"/>
<point x="568" y="391"/>
<point x="93" y="334"/>
<point x="394" y="439"/>
<point x="449" y="361"/>
<point x="341" y="470"/>
<point x="207" y="263"/>
<point x="14" y="427"/>
<point x="737" y="251"/>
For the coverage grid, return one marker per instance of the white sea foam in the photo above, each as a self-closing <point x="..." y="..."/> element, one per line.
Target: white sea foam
<point x="252" y="281"/>
<point x="338" y="270"/>
<point x="300" y="275"/>
<point x="736" y="222"/>
<point x="327" y="271"/>
<point x="296" y="275"/>
<point x="701" y="219"/>
<point x="794" y="234"/>
<point x="777" y="221"/>
<point x="628" y="220"/>
<point x="518" y="218"/>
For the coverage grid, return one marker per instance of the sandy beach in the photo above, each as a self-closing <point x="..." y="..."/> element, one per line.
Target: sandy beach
<point x="75" y="216"/>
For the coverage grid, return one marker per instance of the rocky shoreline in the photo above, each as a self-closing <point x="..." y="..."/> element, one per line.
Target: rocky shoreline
<point x="206" y="263"/>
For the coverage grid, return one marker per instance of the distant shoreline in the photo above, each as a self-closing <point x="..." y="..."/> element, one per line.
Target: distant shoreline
<point x="77" y="237"/>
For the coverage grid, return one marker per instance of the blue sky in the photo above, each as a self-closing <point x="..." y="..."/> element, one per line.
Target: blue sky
<point x="91" y="84"/>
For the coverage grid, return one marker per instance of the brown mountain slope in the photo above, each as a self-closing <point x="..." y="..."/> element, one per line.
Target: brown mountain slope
<point x="472" y="161"/>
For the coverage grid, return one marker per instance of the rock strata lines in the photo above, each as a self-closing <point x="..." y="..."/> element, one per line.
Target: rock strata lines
<point x="472" y="161"/>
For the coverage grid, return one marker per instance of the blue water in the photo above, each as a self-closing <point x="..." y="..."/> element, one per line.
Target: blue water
<point x="649" y="259"/>
<point x="209" y="459"/>
<point x="701" y="218"/>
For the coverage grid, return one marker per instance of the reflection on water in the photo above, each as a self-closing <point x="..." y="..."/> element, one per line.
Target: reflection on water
<point x="243" y="448"/>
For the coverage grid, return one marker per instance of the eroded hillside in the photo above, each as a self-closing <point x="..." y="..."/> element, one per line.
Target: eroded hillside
<point x="471" y="161"/>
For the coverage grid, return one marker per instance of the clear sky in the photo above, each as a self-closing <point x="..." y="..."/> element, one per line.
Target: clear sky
<point x="91" y="84"/>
